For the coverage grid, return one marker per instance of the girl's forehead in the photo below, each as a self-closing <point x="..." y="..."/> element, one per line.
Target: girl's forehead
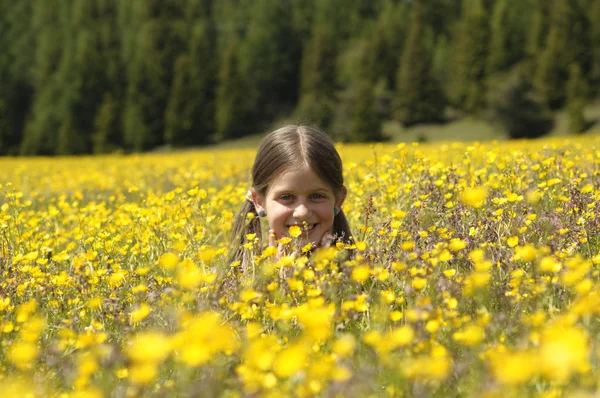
<point x="303" y="178"/>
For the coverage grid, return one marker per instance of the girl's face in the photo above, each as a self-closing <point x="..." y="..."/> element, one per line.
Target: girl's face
<point x="296" y="197"/>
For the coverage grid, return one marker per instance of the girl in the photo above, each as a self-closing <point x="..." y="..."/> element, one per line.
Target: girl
<point x="296" y="180"/>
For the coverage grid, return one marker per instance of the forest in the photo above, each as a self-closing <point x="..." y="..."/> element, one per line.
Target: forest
<point x="98" y="76"/>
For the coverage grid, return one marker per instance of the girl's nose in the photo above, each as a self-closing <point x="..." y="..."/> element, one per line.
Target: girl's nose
<point x="301" y="211"/>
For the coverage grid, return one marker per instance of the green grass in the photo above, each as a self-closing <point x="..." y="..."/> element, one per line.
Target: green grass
<point x="467" y="129"/>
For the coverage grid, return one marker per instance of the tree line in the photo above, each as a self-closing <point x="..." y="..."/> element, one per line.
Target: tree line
<point x="94" y="76"/>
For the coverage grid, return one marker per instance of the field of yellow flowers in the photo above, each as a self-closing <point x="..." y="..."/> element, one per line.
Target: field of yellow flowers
<point x="474" y="272"/>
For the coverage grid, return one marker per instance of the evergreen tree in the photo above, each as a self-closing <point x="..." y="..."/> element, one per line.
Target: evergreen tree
<point x="154" y="36"/>
<point x="418" y="97"/>
<point x="75" y="65"/>
<point x="16" y="88"/>
<point x="519" y="109"/>
<point x="567" y="42"/>
<point x="40" y="133"/>
<point x="357" y="117"/>
<point x="365" y="122"/>
<point x="269" y="58"/>
<point x="538" y="27"/>
<point x="497" y="56"/>
<point x="189" y="117"/>
<point x="389" y="33"/>
<point x="440" y="60"/>
<point x="576" y="97"/>
<point x="519" y="16"/>
<point x="233" y="108"/>
<point x="104" y="125"/>
<point x="594" y="17"/>
<point x="470" y="57"/>
<point x="318" y="69"/>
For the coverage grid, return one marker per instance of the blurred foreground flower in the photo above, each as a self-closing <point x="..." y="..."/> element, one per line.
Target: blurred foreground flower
<point x="474" y="197"/>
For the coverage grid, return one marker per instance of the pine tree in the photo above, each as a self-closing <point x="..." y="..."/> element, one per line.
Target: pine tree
<point x="318" y="70"/>
<point x="40" y="133"/>
<point x="154" y="36"/>
<point x="497" y="55"/>
<point x="550" y="77"/>
<point x="470" y="57"/>
<point x="365" y="122"/>
<point x="538" y="28"/>
<point x="189" y="117"/>
<point x="17" y="55"/>
<point x="104" y="126"/>
<point x="440" y="59"/>
<point x="576" y="97"/>
<point x="418" y="97"/>
<point x="357" y="117"/>
<point x="567" y="43"/>
<point x="389" y="33"/>
<point x="519" y="109"/>
<point x="269" y="58"/>
<point x="519" y="16"/>
<point x="232" y="105"/>
<point x="75" y="65"/>
<point x="594" y="17"/>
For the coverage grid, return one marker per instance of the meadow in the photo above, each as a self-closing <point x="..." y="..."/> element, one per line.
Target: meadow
<point x="474" y="271"/>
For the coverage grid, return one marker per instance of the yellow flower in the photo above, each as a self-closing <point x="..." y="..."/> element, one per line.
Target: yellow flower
<point x="8" y="327"/>
<point x="260" y="354"/>
<point x="446" y="256"/>
<point x="149" y="347"/>
<point x="143" y="373"/>
<point x="474" y="197"/>
<point x="94" y="303"/>
<point x="526" y="253"/>
<point x="564" y="351"/>
<point x="470" y="336"/>
<point x="533" y="197"/>
<point x="122" y="373"/>
<point x="514" y="368"/>
<point x="202" y="338"/>
<point x="432" y="325"/>
<point x="400" y="337"/>
<point x="317" y="321"/>
<point x="419" y="283"/>
<point x="408" y="245"/>
<point x="587" y="189"/>
<point x="290" y="360"/>
<point x="345" y="345"/>
<point x="168" y="261"/>
<point x="361" y="246"/>
<point x="513" y="241"/>
<point x="249" y="295"/>
<point x="549" y="264"/>
<point x="4" y="303"/>
<point x="450" y="273"/>
<point x="457" y="244"/>
<point x="23" y="353"/>
<point x="427" y="368"/>
<point x="140" y="313"/>
<point x="361" y="273"/>
<point x="295" y="231"/>
<point x="189" y="275"/>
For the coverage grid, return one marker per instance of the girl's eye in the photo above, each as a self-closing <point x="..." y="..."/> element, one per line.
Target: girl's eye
<point x="318" y="196"/>
<point x="286" y="197"/>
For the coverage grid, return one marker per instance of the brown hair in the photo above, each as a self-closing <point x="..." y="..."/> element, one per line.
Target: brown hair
<point x="285" y="148"/>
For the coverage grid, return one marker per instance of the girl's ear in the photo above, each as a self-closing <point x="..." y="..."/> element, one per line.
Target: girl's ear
<point x="259" y="200"/>
<point x="341" y="197"/>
